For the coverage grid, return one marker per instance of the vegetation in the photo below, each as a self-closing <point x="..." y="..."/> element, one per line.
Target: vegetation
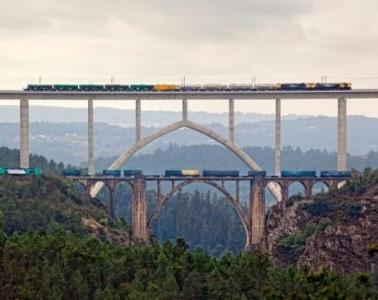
<point x="62" y="266"/>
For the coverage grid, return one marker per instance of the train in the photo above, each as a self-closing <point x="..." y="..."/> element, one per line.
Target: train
<point x="20" y="171"/>
<point x="314" y="86"/>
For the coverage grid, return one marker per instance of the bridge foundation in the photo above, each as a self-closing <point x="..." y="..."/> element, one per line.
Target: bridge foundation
<point x="24" y="133"/>
<point x="257" y="207"/>
<point x="341" y="135"/>
<point x="91" y="169"/>
<point x="185" y="110"/>
<point x="139" y="210"/>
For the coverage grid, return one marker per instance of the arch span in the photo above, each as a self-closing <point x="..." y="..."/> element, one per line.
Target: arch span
<point x="122" y="159"/>
<point x="236" y="205"/>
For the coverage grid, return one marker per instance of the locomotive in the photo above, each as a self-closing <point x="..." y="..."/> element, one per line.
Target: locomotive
<point x="315" y="86"/>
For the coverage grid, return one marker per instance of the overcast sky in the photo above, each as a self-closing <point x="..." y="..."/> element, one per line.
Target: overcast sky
<point x="203" y="40"/>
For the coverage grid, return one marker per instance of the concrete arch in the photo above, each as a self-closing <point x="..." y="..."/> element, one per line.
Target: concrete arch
<point x="325" y="183"/>
<point x="236" y="205"/>
<point x="293" y="182"/>
<point x="122" y="159"/>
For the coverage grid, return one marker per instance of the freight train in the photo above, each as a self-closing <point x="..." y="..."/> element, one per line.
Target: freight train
<point x="316" y="86"/>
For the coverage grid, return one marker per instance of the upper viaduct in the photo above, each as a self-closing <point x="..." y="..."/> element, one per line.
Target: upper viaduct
<point x="229" y="142"/>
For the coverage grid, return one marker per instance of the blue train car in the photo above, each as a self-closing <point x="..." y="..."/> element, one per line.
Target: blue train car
<point x="330" y="173"/>
<point x="253" y="173"/>
<point x="114" y="173"/>
<point x="294" y="86"/>
<point x="173" y="173"/>
<point x="216" y="173"/>
<point x="132" y="173"/>
<point x="302" y="173"/>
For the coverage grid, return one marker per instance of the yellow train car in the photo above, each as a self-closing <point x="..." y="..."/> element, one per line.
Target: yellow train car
<point x="190" y="172"/>
<point x="165" y="87"/>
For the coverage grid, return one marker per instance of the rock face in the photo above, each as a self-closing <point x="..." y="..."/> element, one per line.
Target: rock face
<point x="332" y="231"/>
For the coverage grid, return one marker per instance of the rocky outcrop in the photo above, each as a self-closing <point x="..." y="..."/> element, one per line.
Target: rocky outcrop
<point x="332" y="231"/>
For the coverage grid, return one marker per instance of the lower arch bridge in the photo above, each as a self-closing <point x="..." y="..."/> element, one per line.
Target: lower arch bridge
<point x="252" y="220"/>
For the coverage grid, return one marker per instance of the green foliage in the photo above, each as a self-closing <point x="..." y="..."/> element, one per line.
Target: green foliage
<point x="63" y="266"/>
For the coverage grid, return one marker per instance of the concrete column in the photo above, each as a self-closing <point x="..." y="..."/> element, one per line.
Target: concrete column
<point x="257" y="207"/>
<point x="231" y="120"/>
<point x="137" y="120"/>
<point x="277" y="152"/>
<point x="184" y="109"/>
<point x="111" y="214"/>
<point x="91" y="169"/>
<point x="139" y="210"/>
<point x="24" y="133"/>
<point x="341" y="135"/>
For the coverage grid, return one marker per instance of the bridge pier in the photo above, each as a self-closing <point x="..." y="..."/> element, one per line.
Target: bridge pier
<point x="137" y="120"/>
<point x="277" y="152"/>
<point x="231" y="120"/>
<point x="257" y="207"/>
<point x="341" y="135"/>
<point x="91" y="169"/>
<point x="185" y="110"/>
<point x="139" y="210"/>
<point x="24" y="133"/>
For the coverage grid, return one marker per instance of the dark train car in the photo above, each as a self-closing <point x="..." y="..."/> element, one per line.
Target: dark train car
<point x="295" y="86"/>
<point x="91" y="88"/>
<point x="114" y="173"/>
<point x="132" y="173"/>
<point x="39" y="87"/>
<point x="253" y="173"/>
<point x="333" y="86"/>
<point x="216" y="173"/>
<point x="294" y="173"/>
<point x="331" y="173"/>
<point x="173" y="173"/>
<point x="141" y="87"/>
<point x="72" y="172"/>
<point x="65" y="87"/>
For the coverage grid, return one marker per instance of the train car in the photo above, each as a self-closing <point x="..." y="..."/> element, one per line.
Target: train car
<point x="65" y="87"/>
<point x="190" y="172"/>
<point x="91" y="88"/>
<point x="39" y="88"/>
<point x="113" y="173"/>
<point x="190" y="88"/>
<point x="114" y="87"/>
<point x="253" y="173"/>
<point x="72" y="172"/>
<point x="141" y="87"/>
<point x="268" y="87"/>
<point x="128" y="173"/>
<point x="296" y="86"/>
<point x="23" y="172"/>
<point x="293" y="173"/>
<point x="3" y="171"/>
<point x="33" y="171"/>
<point x="165" y="87"/>
<point x="241" y="87"/>
<point x="333" y="86"/>
<point x="172" y="173"/>
<point x="214" y="87"/>
<point x="216" y="173"/>
<point x="331" y="173"/>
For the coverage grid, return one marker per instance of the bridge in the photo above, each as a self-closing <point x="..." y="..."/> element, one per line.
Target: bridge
<point x="253" y="221"/>
<point x="228" y="142"/>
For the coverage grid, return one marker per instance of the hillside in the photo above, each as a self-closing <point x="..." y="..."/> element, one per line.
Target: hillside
<point x="332" y="231"/>
<point x="46" y="204"/>
<point x="67" y="142"/>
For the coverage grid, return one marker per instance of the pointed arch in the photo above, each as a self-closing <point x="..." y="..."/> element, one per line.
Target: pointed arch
<point x="123" y="158"/>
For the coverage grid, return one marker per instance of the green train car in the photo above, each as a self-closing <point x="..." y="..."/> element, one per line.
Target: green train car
<point x="21" y="172"/>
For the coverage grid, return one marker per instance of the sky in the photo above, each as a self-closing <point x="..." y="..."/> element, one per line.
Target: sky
<point x="213" y="41"/>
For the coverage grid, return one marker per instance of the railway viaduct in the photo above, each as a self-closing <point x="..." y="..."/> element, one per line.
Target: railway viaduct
<point x="253" y="220"/>
<point x="275" y="186"/>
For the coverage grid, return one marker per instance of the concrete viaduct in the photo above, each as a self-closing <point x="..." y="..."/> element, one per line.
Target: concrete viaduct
<point x="228" y="142"/>
<point x="253" y="224"/>
<point x="253" y="220"/>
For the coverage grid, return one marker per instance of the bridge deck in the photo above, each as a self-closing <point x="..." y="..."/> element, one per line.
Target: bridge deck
<point x="239" y="95"/>
<point x="202" y="178"/>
